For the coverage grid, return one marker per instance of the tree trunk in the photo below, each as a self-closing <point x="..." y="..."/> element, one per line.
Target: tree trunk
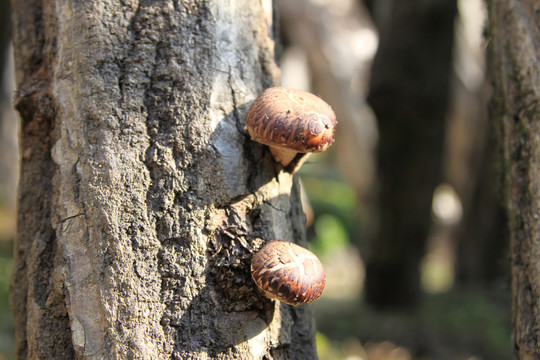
<point x="514" y="54"/>
<point x="141" y="197"/>
<point x="482" y="237"/>
<point x="409" y="93"/>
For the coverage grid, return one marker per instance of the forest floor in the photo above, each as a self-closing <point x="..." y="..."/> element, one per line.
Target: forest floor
<point x="457" y="324"/>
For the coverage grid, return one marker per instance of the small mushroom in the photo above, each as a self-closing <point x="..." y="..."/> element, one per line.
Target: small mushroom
<point x="288" y="272"/>
<point x="291" y="122"/>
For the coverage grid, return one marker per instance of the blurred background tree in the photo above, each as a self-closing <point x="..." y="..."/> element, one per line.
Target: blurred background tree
<point x="428" y="228"/>
<point x="409" y="93"/>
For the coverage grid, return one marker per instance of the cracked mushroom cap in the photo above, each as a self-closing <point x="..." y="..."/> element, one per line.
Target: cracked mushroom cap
<point x="288" y="272"/>
<point x="292" y="120"/>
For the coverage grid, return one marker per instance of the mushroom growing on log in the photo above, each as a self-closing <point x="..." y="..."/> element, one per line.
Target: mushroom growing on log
<point x="288" y="272"/>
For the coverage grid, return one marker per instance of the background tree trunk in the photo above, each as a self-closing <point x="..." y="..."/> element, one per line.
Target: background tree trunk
<point x="409" y="95"/>
<point x="141" y="198"/>
<point x="514" y="54"/>
<point x="8" y="149"/>
<point x="482" y="237"/>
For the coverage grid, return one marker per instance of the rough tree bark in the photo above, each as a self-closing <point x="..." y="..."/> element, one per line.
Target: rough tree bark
<point x="141" y="198"/>
<point x="514" y="53"/>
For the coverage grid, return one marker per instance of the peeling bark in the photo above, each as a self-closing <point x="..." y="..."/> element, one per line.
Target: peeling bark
<point x="514" y="43"/>
<point x="141" y="197"/>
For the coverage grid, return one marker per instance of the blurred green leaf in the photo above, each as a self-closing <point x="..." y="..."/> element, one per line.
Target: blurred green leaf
<point x="5" y="272"/>
<point x="330" y="235"/>
<point x="326" y="349"/>
<point x="330" y="193"/>
<point x="7" y="330"/>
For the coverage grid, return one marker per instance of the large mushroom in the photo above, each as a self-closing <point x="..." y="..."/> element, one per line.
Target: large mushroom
<point x="291" y="122"/>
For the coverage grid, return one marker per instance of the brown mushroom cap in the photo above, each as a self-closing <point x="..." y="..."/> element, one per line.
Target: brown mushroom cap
<point x="288" y="272"/>
<point x="291" y="119"/>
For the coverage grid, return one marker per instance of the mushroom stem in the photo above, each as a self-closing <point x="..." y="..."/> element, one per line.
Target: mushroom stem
<point x="282" y="155"/>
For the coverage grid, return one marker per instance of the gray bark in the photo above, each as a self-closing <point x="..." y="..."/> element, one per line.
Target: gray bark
<point x="514" y="54"/>
<point x="141" y="198"/>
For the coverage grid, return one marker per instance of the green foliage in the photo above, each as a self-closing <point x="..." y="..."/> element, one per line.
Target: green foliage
<point x="330" y="235"/>
<point x="475" y="317"/>
<point x="328" y="350"/>
<point x="337" y="219"/>
<point x="6" y="264"/>
<point x="6" y="320"/>
<point x="331" y="194"/>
